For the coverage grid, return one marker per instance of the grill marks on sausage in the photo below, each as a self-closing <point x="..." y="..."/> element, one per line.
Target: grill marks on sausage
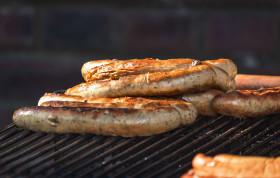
<point x="249" y="103"/>
<point x="125" y="122"/>
<point x="194" y="79"/>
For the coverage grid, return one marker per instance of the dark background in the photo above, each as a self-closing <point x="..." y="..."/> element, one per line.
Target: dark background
<point x="44" y="44"/>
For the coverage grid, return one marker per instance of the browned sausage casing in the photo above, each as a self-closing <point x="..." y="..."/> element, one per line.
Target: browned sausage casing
<point x="126" y="122"/>
<point x="248" y="103"/>
<point x="203" y="101"/>
<point x="176" y="82"/>
<point x="225" y="64"/>
<point x="231" y="166"/>
<point x="114" y="69"/>
<point x="132" y="102"/>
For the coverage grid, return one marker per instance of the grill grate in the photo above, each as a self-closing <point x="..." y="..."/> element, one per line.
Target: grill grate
<point x="28" y="154"/>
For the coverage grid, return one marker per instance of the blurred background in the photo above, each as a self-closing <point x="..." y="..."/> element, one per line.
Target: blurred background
<point x="44" y="44"/>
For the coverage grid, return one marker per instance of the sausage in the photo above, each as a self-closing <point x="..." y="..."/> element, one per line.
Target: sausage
<point x="48" y="97"/>
<point x="248" y="103"/>
<point x="254" y="82"/>
<point x="126" y="122"/>
<point x="117" y="68"/>
<point x="225" y="64"/>
<point x="123" y="102"/>
<point x="226" y="165"/>
<point x="223" y="81"/>
<point x="176" y="82"/>
<point x="203" y="101"/>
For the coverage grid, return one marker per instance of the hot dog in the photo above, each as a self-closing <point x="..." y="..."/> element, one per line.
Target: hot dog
<point x="126" y="122"/>
<point x="179" y="81"/>
<point x="225" y="165"/>
<point x="248" y="103"/>
<point x="254" y="82"/>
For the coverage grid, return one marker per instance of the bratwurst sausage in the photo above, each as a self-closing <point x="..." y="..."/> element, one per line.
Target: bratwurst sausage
<point x="126" y="122"/>
<point x="203" y="101"/>
<point x="248" y="103"/>
<point x="133" y="102"/>
<point x="92" y="70"/>
<point x="225" y="165"/>
<point x="225" y="64"/>
<point x="176" y="82"/>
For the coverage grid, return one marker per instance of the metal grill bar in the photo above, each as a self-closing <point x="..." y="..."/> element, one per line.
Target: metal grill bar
<point x="34" y="156"/>
<point x="17" y="148"/>
<point x="8" y="127"/>
<point x="52" y="155"/>
<point x="255" y="138"/>
<point x="263" y="143"/>
<point x="69" y="155"/>
<point x="76" y="169"/>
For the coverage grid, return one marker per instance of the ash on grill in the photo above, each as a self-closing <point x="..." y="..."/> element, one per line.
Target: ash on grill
<point x="25" y="153"/>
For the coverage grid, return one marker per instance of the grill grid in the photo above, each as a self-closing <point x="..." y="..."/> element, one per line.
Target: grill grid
<point x="25" y="153"/>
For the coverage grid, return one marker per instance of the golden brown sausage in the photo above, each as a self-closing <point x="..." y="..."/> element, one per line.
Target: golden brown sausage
<point x="254" y="82"/>
<point x="202" y="101"/>
<point x="48" y="97"/>
<point x="232" y="166"/>
<point x="248" y="103"/>
<point x="126" y="122"/>
<point x="117" y="68"/>
<point x="176" y="82"/>
<point x="225" y="64"/>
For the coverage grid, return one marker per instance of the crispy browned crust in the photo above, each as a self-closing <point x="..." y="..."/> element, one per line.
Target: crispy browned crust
<point x="248" y="103"/>
<point x="131" y="102"/>
<point x="92" y="70"/>
<point x="229" y="166"/>
<point x="176" y="82"/>
<point x="126" y="122"/>
<point x="124" y="102"/>
<point x="203" y="101"/>
<point x="225" y="64"/>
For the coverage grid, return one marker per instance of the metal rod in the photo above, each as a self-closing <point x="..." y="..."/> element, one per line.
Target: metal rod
<point x="8" y="127"/>
<point x="81" y="166"/>
<point x="116" y="157"/>
<point x="68" y="156"/>
<point x="20" y="146"/>
<point x="14" y="140"/>
<point x="36" y="155"/>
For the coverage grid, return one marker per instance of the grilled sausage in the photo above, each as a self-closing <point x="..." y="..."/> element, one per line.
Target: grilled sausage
<point x="254" y="82"/>
<point x="202" y="101"/>
<point x="248" y="103"/>
<point x="123" y="102"/>
<point x="48" y="97"/>
<point x="225" y="165"/>
<point x="223" y="81"/>
<point x="225" y="64"/>
<point x="126" y="122"/>
<point x="117" y="68"/>
<point x="179" y="81"/>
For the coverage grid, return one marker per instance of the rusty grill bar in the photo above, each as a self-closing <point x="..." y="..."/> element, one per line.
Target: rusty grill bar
<point x="29" y="154"/>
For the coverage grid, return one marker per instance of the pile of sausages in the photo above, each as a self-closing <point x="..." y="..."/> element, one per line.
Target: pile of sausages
<point x="141" y="97"/>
